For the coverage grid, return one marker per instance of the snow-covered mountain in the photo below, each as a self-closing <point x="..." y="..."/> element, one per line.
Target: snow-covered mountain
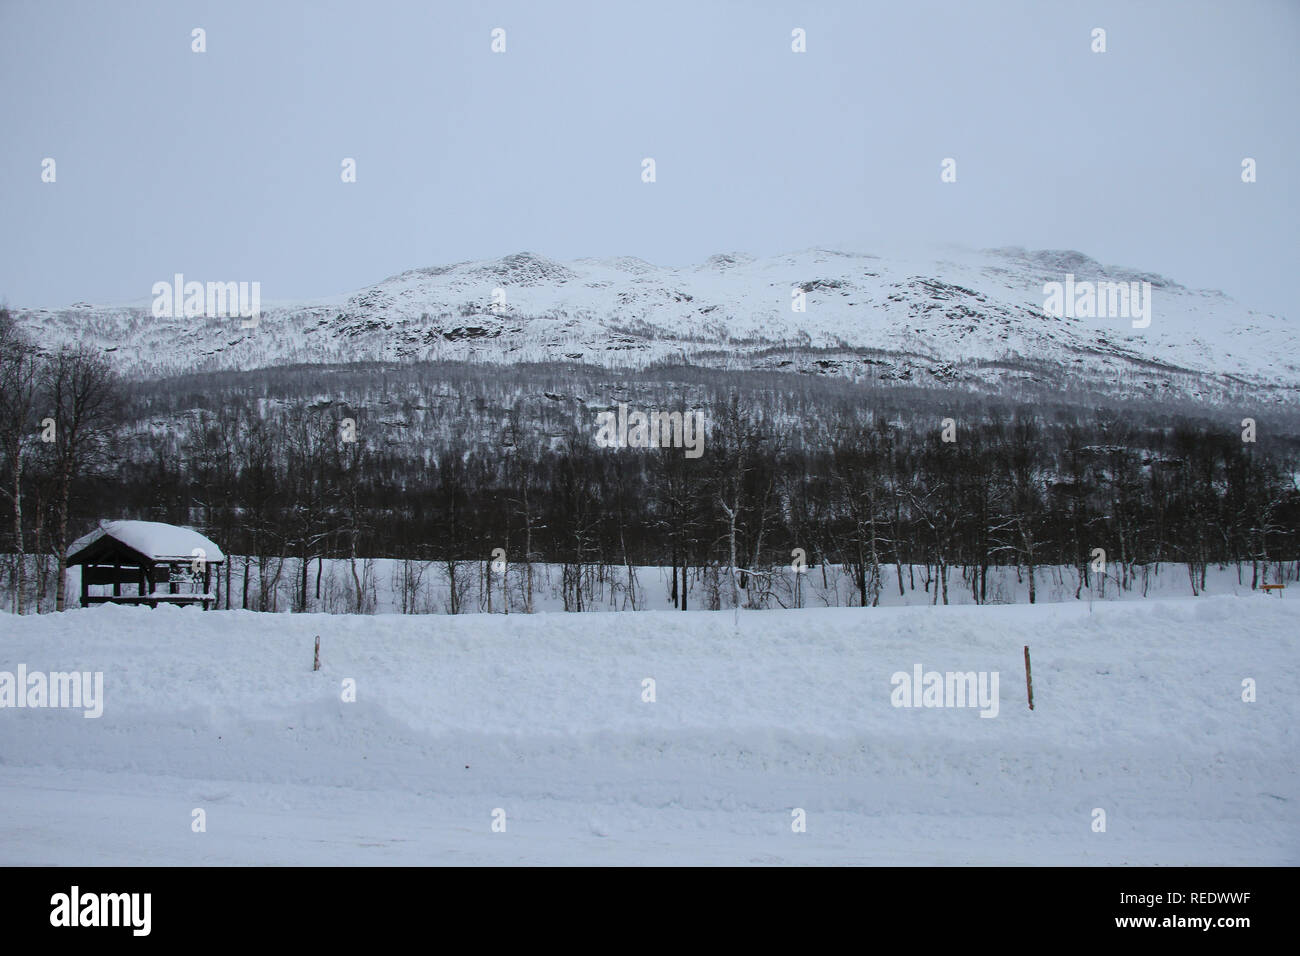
<point x="977" y="317"/>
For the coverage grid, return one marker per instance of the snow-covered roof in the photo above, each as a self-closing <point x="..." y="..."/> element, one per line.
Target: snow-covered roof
<point x="153" y="539"/>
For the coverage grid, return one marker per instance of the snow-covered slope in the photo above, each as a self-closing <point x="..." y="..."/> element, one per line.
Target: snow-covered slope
<point x="1138" y="712"/>
<point x="974" y="316"/>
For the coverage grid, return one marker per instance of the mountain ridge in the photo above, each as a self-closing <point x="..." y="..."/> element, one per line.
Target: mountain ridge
<point x="958" y="316"/>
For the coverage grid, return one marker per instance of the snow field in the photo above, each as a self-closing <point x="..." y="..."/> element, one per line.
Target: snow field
<point x="1139" y="712"/>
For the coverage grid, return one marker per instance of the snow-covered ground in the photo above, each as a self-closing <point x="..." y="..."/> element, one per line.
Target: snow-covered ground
<point x="1139" y="712"/>
<point x="427" y="590"/>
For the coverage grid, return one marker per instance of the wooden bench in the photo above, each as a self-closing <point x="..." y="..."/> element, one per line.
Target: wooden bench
<point x="151" y="600"/>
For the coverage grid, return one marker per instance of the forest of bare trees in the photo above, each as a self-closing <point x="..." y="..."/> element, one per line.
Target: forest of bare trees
<point x="858" y="480"/>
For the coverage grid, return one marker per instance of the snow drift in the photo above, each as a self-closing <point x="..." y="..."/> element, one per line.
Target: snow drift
<point x="1139" y="712"/>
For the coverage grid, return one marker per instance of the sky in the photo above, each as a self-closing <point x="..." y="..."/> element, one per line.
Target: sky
<point x="226" y="165"/>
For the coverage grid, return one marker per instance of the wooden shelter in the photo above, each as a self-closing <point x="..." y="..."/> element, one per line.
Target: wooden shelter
<point x="146" y="562"/>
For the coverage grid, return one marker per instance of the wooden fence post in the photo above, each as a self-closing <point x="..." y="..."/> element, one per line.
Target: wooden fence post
<point x="316" y="665"/>
<point x="1029" y="680"/>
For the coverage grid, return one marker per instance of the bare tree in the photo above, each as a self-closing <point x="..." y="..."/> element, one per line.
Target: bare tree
<point x="350" y="464"/>
<point x="79" y="388"/>
<point x="310" y="439"/>
<point x="19" y="366"/>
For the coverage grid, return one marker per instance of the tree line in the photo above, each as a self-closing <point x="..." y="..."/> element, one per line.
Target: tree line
<point x="295" y="480"/>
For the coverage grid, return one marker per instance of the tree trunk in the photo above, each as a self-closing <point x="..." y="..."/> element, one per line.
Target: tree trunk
<point x="21" y="558"/>
<point x="674" y="572"/>
<point x="302" y="583"/>
<point x="61" y="526"/>
<point x="39" y="552"/>
<point x="356" y="581"/>
<point x="731" y="537"/>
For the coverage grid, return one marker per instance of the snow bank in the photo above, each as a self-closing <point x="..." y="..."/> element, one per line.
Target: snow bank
<point x="1139" y="712"/>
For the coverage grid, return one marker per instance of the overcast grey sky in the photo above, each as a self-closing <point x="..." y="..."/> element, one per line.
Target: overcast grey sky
<point x="225" y="165"/>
